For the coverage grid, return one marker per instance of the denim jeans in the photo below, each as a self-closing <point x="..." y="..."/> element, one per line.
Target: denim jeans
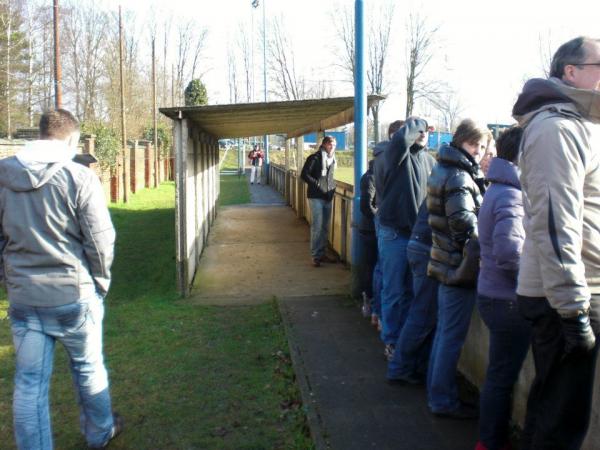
<point x="413" y="348"/>
<point x="560" y="399"/>
<point x="78" y="327"/>
<point x="396" y="289"/>
<point x="455" y="306"/>
<point x="509" y="342"/>
<point x="376" y="305"/>
<point x="368" y="242"/>
<point x="319" y="227"/>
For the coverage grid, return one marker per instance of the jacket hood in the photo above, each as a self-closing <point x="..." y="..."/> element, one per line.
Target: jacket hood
<point x="380" y="148"/>
<point x="456" y="157"/>
<point x="33" y="166"/>
<point x="539" y="94"/>
<point x="503" y="172"/>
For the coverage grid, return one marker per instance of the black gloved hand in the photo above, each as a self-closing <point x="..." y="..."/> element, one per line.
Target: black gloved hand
<point x="579" y="336"/>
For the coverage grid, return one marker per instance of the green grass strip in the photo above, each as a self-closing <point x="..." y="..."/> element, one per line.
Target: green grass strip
<point x="234" y="190"/>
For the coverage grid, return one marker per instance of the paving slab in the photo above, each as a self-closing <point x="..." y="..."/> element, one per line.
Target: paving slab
<point x="263" y="194"/>
<point x="256" y="253"/>
<point x="340" y="368"/>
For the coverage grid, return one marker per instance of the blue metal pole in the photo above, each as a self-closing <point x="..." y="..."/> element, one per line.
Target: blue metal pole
<point x="360" y="124"/>
<point x="266" y="138"/>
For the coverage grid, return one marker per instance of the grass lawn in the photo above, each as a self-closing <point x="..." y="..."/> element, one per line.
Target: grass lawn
<point x="234" y="190"/>
<point x="184" y="377"/>
<point x="345" y="174"/>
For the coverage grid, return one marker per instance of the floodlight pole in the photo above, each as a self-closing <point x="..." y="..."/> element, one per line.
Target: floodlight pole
<point x="360" y="140"/>
<point x="57" y="63"/>
<point x="266" y="138"/>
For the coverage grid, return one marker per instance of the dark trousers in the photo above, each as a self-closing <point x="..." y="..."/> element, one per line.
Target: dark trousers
<point x="369" y="244"/>
<point x="510" y="335"/>
<point x="560" y="399"/>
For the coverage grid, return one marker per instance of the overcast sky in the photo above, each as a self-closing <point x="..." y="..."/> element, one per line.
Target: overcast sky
<point x="485" y="49"/>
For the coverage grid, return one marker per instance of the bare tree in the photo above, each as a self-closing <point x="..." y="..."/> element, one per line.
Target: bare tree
<point x="345" y="32"/>
<point x="13" y="46"/>
<point x="449" y="107"/>
<point x="245" y="49"/>
<point x="379" y="39"/>
<point x="546" y="52"/>
<point x="378" y="42"/>
<point x="190" y="42"/>
<point x="232" y="75"/>
<point x="290" y="85"/>
<point x="419" y="53"/>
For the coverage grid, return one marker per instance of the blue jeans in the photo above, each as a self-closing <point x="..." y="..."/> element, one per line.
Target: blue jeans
<point x="376" y="305"/>
<point x="78" y="327"/>
<point x="396" y="289"/>
<point x="510" y="336"/>
<point x="319" y="227"/>
<point x="455" y="306"/>
<point x="368" y="241"/>
<point x="413" y="348"/>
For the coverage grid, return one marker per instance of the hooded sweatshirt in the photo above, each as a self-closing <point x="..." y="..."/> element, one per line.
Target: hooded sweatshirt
<point x="56" y="236"/>
<point x="560" y="180"/>
<point x="404" y="185"/>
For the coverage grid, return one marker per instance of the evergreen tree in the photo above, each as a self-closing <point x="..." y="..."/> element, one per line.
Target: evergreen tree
<point x="195" y="93"/>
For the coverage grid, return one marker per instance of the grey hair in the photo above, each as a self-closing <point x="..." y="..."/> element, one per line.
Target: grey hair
<point x="572" y="52"/>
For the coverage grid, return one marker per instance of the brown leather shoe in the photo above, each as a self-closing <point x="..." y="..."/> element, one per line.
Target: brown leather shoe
<point x="316" y="262"/>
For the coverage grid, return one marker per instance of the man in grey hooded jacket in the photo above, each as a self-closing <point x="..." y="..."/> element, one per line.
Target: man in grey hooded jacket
<point x="56" y="244"/>
<point x="559" y="277"/>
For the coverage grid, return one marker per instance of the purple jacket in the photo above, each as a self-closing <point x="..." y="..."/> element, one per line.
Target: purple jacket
<point x="501" y="233"/>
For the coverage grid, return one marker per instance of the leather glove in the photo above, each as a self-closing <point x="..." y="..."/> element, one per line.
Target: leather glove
<point x="579" y="336"/>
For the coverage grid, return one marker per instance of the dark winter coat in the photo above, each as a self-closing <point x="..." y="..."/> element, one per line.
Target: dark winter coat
<point x="407" y="168"/>
<point x="319" y="186"/>
<point x="379" y="167"/>
<point x="501" y="234"/>
<point x="368" y="207"/>
<point x="453" y="201"/>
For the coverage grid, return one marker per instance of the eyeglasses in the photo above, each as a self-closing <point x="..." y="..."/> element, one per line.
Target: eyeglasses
<point x="584" y="64"/>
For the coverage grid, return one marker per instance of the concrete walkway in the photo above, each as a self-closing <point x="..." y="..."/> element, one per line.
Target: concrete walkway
<point x="336" y="353"/>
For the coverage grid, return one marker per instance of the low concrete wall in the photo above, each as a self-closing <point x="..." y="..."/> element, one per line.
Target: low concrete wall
<point x="474" y="357"/>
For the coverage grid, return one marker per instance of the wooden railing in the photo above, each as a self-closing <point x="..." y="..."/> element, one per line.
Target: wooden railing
<point x="294" y="191"/>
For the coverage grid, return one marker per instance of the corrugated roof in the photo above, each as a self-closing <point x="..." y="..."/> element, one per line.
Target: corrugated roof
<point x="293" y="118"/>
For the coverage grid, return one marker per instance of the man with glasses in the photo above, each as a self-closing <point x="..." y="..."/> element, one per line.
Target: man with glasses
<point x="559" y="277"/>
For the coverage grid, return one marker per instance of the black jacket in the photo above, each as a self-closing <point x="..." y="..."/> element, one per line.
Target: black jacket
<point x="368" y="207"/>
<point x="454" y="190"/>
<point x="319" y="186"/>
<point x="379" y="166"/>
<point x="407" y="168"/>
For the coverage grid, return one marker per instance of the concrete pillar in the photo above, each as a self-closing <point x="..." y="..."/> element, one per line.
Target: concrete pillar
<point x="180" y="133"/>
<point x="133" y="167"/>
<point x="286" y="177"/>
<point x="299" y="182"/>
<point x="89" y="145"/>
